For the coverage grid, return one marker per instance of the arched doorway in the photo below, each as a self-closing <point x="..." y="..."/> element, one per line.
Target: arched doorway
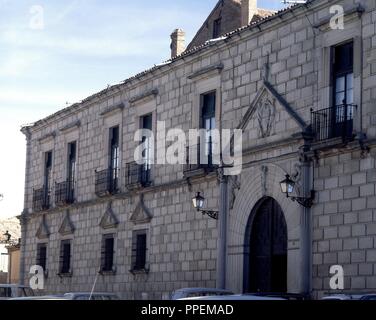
<point x="266" y="249"/>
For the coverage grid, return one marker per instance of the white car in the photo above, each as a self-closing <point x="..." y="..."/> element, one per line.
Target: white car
<point x="8" y="291"/>
<point x="198" y="292"/>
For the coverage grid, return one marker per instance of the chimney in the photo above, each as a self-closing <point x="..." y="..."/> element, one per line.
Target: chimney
<point x="249" y="9"/>
<point x="177" y="42"/>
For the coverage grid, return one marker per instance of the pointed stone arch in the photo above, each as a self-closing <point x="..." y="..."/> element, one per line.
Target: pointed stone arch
<point x="265" y="103"/>
<point x="67" y="227"/>
<point x="109" y="219"/>
<point x="43" y="231"/>
<point x="141" y="213"/>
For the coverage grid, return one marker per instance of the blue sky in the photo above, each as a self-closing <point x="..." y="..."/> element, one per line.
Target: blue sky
<point x="84" y="46"/>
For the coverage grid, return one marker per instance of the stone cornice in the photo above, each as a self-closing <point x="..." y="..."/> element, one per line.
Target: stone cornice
<point x="71" y="126"/>
<point x="112" y="109"/>
<point x="49" y="136"/>
<point x="144" y="96"/>
<point x="206" y="72"/>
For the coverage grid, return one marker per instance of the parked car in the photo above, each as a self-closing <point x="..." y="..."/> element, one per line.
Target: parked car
<point x="198" y="292"/>
<point x="74" y="296"/>
<point x="236" y="297"/>
<point x="350" y="296"/>
<point x="90" y="296"/>
<point x="51" y="297"/>
<point x="8" y="291"/>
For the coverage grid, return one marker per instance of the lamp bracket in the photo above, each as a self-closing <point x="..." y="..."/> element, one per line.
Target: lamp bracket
<point x="211" y="213"/>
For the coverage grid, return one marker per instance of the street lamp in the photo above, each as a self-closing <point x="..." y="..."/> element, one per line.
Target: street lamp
<point x="7" y="236"/>
<point x="288" y="188"/>
<point x="198" y="203"/>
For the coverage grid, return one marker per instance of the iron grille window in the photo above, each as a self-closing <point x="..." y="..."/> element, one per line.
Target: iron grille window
<point x="107" y="254"/>
<point x="217" y="26"/>
<point x="65" y="257"/>
<point x="139" y="250"/>
<point x="42" y="255"/>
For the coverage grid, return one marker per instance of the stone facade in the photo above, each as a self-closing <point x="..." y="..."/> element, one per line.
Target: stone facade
<point x="267" y="78"/>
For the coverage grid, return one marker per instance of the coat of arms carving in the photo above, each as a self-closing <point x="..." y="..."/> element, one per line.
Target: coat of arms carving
<point x="266" y="116"/>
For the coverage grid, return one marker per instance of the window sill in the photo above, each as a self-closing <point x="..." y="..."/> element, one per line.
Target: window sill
<point x="139" y="271"/>
<point x="199" y="171"/>
<point x="108" y="272"/>
<point x="65" y="275"/>
<point x="330" y="144"/>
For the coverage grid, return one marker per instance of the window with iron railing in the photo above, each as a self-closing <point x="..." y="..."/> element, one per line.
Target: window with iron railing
<point x="106" y="182"/>
<point x="200" y="156"/>
<point x="41" y="199"/>
<point x="334" y="122"/>
<point x="138" y="175"/>
<point x="337" y="121"/>
<point x="64" y="193"/>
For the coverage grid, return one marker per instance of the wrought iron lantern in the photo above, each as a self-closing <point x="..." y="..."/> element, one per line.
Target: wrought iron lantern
<point x="198" y="203"/>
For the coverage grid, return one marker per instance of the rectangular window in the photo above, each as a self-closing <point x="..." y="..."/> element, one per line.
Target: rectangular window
<point x="147" y="153"/>
<point x="343" y="73"/>
<point x="65" y="257"/>
<point x="107" y="254"/>
<point x="343" y="89"/>
<point x="42" y="255"/>
<point x="71" y="174"/>
<point x="114" y="158"/>
<point x="217" y="25"/>
<point x="208" y="104"/>
<point x="139" y="249"/>
<point x="47" y="179"/>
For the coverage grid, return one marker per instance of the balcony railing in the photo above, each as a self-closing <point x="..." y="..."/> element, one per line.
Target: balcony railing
<point x="193" y="163"/>
<point x="137" y="175"/>
<point x="41" y="199"/>
<point x="334" y="122"/>
<point x="64" y="193"/>
<point x="106" y="182"/>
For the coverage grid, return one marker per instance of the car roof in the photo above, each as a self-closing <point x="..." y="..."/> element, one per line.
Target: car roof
<point x="89" y="293"/>
<point x="234" y="297"/>
<point x="201" y="290"/>
<point x="7" y="285"/>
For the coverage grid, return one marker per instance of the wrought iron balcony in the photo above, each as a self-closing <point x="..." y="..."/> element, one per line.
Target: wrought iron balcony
<point x="334" y="122"/>
<point x="64" y="193"/>
<point x="41" y="199"/>
<point x="206" y="164"/>
<point x="106" y="182"/>
<point x="137" y="175"/>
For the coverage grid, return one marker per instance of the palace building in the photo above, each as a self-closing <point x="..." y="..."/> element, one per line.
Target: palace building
<point x="300" y="86"/>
